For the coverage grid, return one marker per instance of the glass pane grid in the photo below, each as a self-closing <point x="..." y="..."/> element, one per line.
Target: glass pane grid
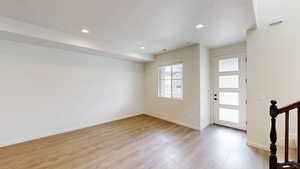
<point x="165" y="88"/>
<point x="165" y="72"/>
<point x="229" y="95"/>
<point x="177" y="71"/>
<point x="177" y="88"/>
<point x="170" y="81"/>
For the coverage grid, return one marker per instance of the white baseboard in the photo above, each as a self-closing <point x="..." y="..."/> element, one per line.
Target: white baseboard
<point x="259" y="146"/>
<point x="176" y="122"/>
<point x="205" y="127"/>
<point x="60" y="131"/>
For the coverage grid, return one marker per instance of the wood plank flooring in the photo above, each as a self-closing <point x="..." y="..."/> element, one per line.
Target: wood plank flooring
<point x="141" y="142"/>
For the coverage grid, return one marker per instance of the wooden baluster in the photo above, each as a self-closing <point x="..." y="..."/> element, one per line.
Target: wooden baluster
<point x="298" y="136"/>
<point x="273" y="136"/>
<point x="286" y="149"/>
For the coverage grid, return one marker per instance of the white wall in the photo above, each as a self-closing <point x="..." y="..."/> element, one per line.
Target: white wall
<point x="237" y="48"/>
<point x="47" y="91"/>
<point x="205" y="117"/>
<point x="273" y="66"/>
<point x="187" y="111"/>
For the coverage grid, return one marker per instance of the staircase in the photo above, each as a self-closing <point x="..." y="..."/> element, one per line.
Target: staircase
<point x="274" y="112"/>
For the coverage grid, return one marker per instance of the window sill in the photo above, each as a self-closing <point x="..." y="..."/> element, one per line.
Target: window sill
<point x="170" y="98"/>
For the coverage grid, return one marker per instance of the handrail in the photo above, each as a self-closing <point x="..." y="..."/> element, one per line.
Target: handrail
<point x="288" y="107"/>
<point x="274" y="112"/>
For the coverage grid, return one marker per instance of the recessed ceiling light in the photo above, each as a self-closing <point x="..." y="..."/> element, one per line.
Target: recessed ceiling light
<point x="142" y="47"/>
<point x="199" y="26"/>
<point x="85" y="31"/>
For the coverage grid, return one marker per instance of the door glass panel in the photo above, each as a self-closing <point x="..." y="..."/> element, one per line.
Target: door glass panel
<point x="229" y="81"/>
<point x="229" y="115"/>
<point x="229" y="98"/>
<point x="229" y="65"/>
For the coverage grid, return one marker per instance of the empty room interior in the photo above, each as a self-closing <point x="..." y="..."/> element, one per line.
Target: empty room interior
<point x="149" y="84"/>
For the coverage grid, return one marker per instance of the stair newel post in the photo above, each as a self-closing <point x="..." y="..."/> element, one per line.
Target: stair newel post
<point x="273" y="135"/>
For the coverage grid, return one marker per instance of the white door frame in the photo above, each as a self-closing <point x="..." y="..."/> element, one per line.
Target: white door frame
<point x="242" y="91"/>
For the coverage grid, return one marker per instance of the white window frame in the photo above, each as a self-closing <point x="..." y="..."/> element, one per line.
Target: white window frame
<point x="159" y="79"/>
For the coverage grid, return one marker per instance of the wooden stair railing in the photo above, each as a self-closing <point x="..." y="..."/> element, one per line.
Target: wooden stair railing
<point x="274" y="112"/>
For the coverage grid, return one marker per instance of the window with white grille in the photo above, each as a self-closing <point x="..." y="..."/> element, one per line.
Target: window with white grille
<point x="171" y="81"/>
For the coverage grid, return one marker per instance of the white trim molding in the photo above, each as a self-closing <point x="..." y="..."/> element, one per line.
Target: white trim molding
<point x="256" y="145"/>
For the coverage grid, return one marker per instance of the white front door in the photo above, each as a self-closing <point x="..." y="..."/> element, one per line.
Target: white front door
<point x="230" y="91"/>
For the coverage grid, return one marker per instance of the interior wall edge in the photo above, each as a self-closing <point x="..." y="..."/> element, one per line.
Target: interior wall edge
<point x="175" y="121"/>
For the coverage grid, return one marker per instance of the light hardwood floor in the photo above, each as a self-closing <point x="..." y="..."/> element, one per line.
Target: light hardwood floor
<point x="141" y="142"/>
